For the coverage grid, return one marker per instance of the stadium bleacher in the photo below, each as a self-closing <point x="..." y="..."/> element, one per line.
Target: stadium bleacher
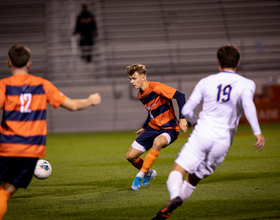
<point x="176" y="40"/>
<point x="180" y="37"/>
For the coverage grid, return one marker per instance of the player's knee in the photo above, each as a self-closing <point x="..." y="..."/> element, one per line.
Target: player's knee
<point x="130" y="158"/>
<point x="157" y="145"/>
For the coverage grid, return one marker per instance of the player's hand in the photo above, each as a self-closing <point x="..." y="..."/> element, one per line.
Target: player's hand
<point x="183" y="124"/>
<point x="95" y="99"/>
<point x="139" y="131"/>
<point x="260" y="141"/>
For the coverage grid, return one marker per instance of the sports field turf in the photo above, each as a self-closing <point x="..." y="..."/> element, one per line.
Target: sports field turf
<point x="91" y="179"/>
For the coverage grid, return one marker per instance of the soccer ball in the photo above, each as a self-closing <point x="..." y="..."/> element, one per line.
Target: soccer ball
<point x="43" y="169"/>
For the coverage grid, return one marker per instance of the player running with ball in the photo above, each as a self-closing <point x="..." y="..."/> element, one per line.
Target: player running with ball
<point x="161" y="127"/>
<point x="224" y="95"/>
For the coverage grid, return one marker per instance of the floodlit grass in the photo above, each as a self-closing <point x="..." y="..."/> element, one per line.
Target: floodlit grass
<point x="91" y="179"/>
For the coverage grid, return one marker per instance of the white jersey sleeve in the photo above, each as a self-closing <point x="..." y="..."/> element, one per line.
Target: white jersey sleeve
<point x="249" y="107"/>
<point x="197" y="94"/>
<point x="187" y="111"/>
<point x="192" y="102"/>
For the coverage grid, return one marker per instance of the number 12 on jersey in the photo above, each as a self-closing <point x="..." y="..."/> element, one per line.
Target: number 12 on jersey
<point x="223" y="94"/>
<point x="25" y="100"/>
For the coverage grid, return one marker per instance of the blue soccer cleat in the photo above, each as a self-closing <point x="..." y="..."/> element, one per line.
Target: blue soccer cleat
<point x="147" y="179"/>
<point x="136" y="183"/>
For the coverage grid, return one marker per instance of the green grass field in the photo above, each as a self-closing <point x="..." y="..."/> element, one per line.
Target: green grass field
<point x="91" y="179"/>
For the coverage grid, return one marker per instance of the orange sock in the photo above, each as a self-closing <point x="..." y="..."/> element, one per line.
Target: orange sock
<point x="149" y="160"/>
<point x="138" y="163"/>
<point x="4" y="197"/>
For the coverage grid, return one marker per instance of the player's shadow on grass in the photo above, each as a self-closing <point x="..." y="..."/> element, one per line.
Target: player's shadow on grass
<point x="235" y="176"/>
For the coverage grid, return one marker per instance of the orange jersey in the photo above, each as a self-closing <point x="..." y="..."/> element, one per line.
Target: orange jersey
<point x="157" y="99"/>
<point x="23" y="129"/>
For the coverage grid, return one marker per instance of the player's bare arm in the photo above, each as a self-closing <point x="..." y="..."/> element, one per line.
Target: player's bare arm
<point x="78" y="104"/>
<point x="183" y="124"/>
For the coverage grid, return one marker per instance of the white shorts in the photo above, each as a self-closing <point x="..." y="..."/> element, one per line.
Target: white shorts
<point x="201" y="156"/>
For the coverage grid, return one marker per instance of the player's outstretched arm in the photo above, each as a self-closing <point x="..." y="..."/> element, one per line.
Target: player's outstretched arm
<point x="79" y="104"/>
<point x="260" y="141"/>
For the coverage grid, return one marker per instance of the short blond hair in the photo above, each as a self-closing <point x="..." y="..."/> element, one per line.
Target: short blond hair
<point x="139" y="68"/>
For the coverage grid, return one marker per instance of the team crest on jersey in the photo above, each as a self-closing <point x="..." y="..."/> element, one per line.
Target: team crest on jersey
<point x="150" y="107"/>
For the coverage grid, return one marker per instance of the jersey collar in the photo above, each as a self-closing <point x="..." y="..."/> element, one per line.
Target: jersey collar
<point x="227" y="71"/>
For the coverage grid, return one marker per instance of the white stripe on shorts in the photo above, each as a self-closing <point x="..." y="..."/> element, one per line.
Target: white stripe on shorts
<point x="167" y="137"/>
<point x="138" y="146"/>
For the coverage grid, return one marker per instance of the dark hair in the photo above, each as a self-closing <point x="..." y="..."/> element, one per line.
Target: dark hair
<point x="139" y="68"/>
<point x="19" y="55"/>
<point x="228" y="55"/>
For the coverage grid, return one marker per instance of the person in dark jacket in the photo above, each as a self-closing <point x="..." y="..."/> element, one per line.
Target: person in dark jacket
<point x="87" y="28"/>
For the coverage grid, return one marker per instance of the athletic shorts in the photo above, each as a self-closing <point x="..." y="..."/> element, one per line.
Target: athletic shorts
<point x="145" y="140"/>
<point x="201" y="156"/>
<point x="17" y="171"/>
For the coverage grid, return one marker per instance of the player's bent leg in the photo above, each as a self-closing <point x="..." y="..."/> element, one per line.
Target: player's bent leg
<point x="186" y="190"/>
<point x="177" y="187"/>
<point x="138" y="163"/>
<point x="193" y="179"/>
<point x="149" y="160"/>
<point x="133" y="156"/>
<point x="174" y="183"/>
<point x="159" y="142"/>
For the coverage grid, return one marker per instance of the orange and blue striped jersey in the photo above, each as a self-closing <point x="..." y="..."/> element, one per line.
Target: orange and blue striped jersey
<point x="157" y="99"/>
<point x="23" y="129"/>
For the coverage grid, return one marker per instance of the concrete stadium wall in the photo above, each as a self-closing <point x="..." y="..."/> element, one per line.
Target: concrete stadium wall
<point x="119" y="110"/>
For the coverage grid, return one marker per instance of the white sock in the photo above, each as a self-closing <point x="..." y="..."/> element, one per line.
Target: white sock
<point x="140" y="174"/>
<point x="186" y="190"/>
<point x="174" y="184"/>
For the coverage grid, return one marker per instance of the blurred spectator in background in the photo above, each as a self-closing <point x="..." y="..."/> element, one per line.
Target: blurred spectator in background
<point x="86" y="26"/>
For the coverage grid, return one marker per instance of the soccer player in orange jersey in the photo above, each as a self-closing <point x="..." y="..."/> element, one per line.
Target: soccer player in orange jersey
<point x="23" y="130"/>
<point x="161" y="127"/>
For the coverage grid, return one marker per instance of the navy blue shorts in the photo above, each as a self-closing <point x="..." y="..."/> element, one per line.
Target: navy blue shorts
<point x="145" y="140"/>
<point x="17" y="171"/>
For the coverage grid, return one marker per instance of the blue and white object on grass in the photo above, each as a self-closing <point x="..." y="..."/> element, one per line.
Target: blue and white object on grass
<point x="43" y="169"/>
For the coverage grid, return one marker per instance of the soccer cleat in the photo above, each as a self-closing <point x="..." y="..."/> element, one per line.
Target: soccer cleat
<point x="147" y="179"/>
<point x="165" y="212"/>
<point x="136" y="183"/>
